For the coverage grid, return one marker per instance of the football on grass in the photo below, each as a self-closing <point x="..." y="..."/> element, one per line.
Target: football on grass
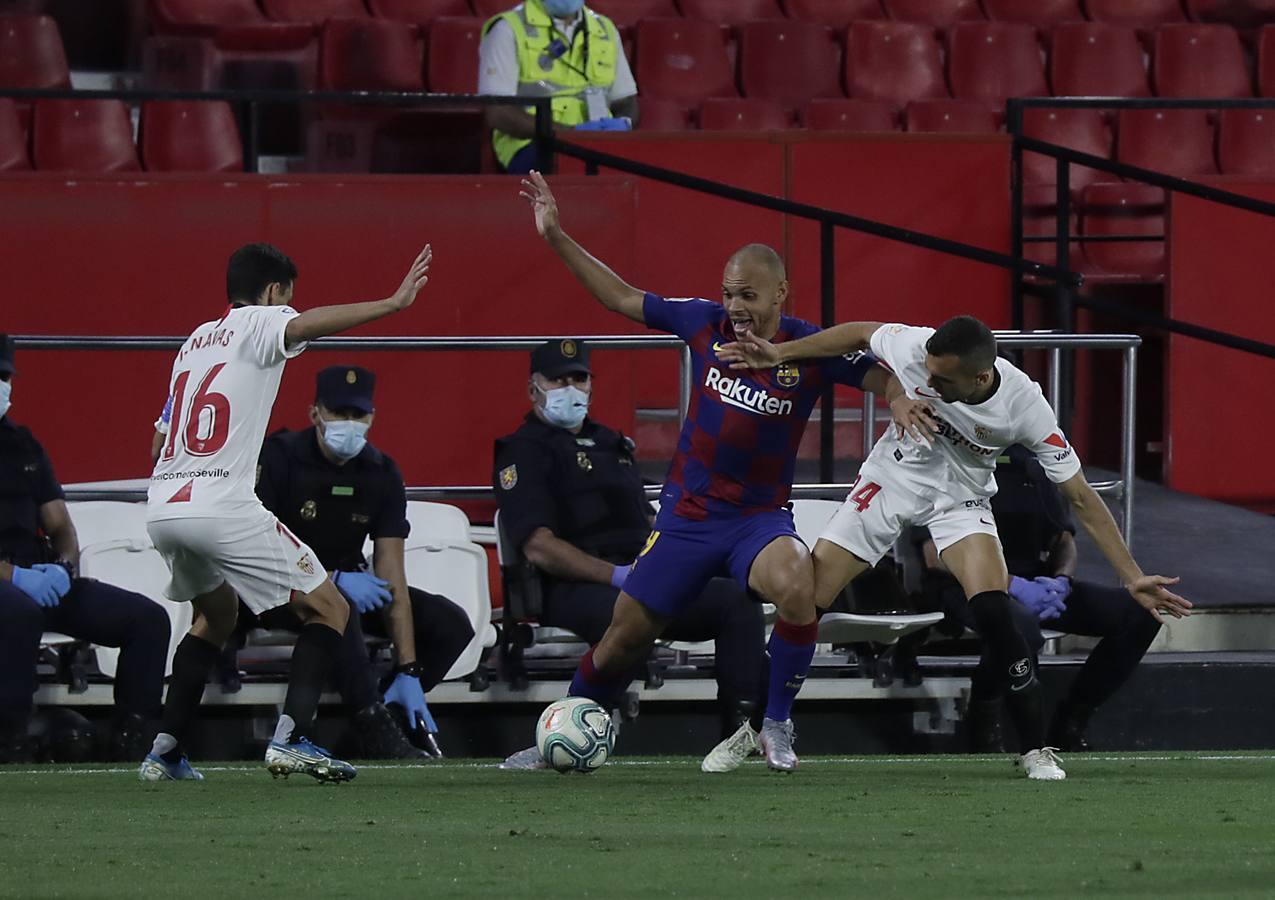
<point x="575" y="734"/>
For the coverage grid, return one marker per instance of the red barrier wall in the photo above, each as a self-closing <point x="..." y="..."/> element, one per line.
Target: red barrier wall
<point x="147" y="255"/>
<point x="1220" y="276"/>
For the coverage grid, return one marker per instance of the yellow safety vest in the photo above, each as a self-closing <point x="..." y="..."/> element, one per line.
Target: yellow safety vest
<point x="589" y="62"/>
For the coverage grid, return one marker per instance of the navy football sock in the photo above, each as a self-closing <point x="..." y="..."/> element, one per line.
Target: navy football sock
<point x="599" y="686"/>
<point x="791" y="649"/>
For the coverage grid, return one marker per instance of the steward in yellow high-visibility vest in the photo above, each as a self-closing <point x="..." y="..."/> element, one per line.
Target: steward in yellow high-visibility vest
<point x="558" y="49"/>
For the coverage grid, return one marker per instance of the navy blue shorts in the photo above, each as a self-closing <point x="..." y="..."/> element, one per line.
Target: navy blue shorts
<point x="681" y="555"/>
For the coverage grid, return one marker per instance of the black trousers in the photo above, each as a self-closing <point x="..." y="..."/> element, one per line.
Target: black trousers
<point x="724" y="613"/>
<point x="91" y="611"/>
<point x="442" y="632"/>
<point x="1126" y="630"/>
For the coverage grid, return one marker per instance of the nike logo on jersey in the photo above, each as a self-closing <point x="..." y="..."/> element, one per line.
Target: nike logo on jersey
<point x="735" y="392"/>
<point x="717" y="346"/>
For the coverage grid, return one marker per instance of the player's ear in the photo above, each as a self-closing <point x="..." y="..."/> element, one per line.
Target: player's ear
<point x="781" y="292"/>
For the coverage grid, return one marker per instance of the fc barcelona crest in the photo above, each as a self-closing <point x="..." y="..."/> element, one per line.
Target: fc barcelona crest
<point x="787" y="375"/>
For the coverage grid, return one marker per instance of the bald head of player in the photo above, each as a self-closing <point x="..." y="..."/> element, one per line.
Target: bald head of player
<point x="754" y="288"/>
<point x="961" y="358"/>
<point x="259" y="275"/>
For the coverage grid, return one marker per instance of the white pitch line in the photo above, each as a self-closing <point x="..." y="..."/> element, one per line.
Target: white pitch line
<point x="638" y="763"/>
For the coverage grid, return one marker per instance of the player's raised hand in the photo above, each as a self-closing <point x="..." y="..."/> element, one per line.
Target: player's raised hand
<point x="415" y="280"/>
<point x="535" y="190"/>
<point x="749" y="352"/>
<point x="1150" y="592"/>
<point x="915" y="418"/>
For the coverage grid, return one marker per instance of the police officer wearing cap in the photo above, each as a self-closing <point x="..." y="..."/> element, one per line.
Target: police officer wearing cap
<point x="1038" y="536"/>
<point x="40" y="590"/>
<point x="333" y="489"/>
<point x="570" y="496"/>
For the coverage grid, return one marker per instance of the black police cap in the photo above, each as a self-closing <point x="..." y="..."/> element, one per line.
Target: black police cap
<point x="553" y="359"/>
<point x="8" y="347"/>
<point x="342" y="387"/>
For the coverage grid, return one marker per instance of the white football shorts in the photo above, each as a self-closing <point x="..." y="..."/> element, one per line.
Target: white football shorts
<point x="253" y="552"/>
<point x="880" y="507"/>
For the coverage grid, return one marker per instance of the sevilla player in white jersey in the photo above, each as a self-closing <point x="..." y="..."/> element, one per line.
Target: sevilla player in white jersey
<point x="964" y="405"/>
<point x="204" y="516"/>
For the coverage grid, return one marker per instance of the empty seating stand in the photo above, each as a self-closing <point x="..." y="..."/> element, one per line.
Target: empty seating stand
<point x="313" y="12"/>
<point x="893" y="61"/>
<point x="789" y="62"/>
<point x="190" y="136"/>
<point x="202" y="17"/>
<point x="371" y="55"/>
<point x="1092" y="60"/>
<point x="31" y="53"/>
<point x="418" y="12"/>
<point x="13" y="139"/>
<point x="739" y="114"/>
<point x="934" y="13"/>
<point x="1040" y="13"/>
<point x="83" y="136"/>
<point x="1085" y="130"/>
<point x="1135" y="13"/>
<point x="849" y="115"/>
<point x="949" y="116"/>
<point x="993" y="61"/>
<point x="1200" y="61"/>
<point x="835" y="13"/>
<point x="1246" y="142"/>
<point x="683" y="60"/>
<point x="452" y="56"/>
<point x="731" y="12"/>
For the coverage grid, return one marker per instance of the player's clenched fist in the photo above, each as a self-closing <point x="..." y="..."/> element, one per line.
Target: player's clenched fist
<point x="535" y="190"/>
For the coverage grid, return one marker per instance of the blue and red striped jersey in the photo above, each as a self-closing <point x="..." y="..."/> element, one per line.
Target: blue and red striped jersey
<point x="738" y="446"/>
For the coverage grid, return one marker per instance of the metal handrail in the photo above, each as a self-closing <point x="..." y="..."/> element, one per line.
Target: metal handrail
<point x="1055" y="343"/>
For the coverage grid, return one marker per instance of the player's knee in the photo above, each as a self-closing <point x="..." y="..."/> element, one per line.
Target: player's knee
<point x="217" y="624"/>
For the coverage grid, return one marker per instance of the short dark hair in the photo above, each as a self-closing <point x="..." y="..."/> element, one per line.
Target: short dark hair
<point x="965" y="337"/>
<point x="253" y="268"/>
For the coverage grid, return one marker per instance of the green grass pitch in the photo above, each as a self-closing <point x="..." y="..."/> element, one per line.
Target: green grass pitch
<point x="1121" y="826"/>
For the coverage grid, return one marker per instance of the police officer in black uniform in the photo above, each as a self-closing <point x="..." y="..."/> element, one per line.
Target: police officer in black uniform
<point x="1038" y="536"/>
<point x="40" y="590"/>
<point x="333" y="490"/>
<point x="570" y="496"/>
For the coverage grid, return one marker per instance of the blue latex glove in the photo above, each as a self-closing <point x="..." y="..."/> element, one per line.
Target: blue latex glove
<point x="613" y="124"/>
<point x="61" y="577"/>
<point x="1037" y="598"/>
<point x="1060" y="585"/>
<point x="407" y="692"/>
<point x="365" y="590"/>
<point x="39" y="586"/>
<point x="618" y="574"/>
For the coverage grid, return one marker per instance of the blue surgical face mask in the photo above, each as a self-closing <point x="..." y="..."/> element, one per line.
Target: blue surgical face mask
<point x="346" y="438"/>
<point x="6" y="391"/>
<point x="565" y="407"/>
<point x="563" y="9"/>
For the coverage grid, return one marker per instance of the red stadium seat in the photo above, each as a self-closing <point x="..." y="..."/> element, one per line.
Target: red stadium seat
<point x="1040" y="13"/>
<point x="453" y="55"/>
<point x="418" y="12"/>
<point x="1085" y="130"/>
<point x="179" y="62"/>
<point x="13" y="139"/>
<point x="683" y="60"/>
<point x="313" y="12"/>
<point x="665" y="115"/>
<point x="182" y="136"/>
<point x="1246" y="142"/>
<point x="485" y="9"/>
<point x="935" y="13"/>
<point x="1089" y="60"/>
<point x="893" y="61"/>
<point x="789" y="62"/>
<point x="1123" y="209"/>
<point x="949" y="117"/>
<point x="1176" y="141"/>
<point x="370" y="55"/>
<point x="627" y="13"/>
<point x="31" y="53"/>
<point x="731" y="12"/>
<point x="1200" y="61"/>
<point x="992" y="61"/>
<point x="837" y="13"/>
<point x="1266" y="62"/>
<point x="850" y="115"/>
<point x="1241" y="14"/>
<point x="1040" y="219"/>
<point x="83" y="136"/>
<point x="1135" y="13"/>
<point x="734" y="114"/>
<point x="202" y="16"/>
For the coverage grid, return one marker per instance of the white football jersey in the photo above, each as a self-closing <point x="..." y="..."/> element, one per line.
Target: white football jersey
<point x="968" y="437"/>
<point x="220" y="395"/>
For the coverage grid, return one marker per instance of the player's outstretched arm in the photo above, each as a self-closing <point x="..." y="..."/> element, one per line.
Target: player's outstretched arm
<point x="325" y="320"/>
<point x="754" y="353"/>
<point x="610" y="289"/>
<point x="1149" y="590"/>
